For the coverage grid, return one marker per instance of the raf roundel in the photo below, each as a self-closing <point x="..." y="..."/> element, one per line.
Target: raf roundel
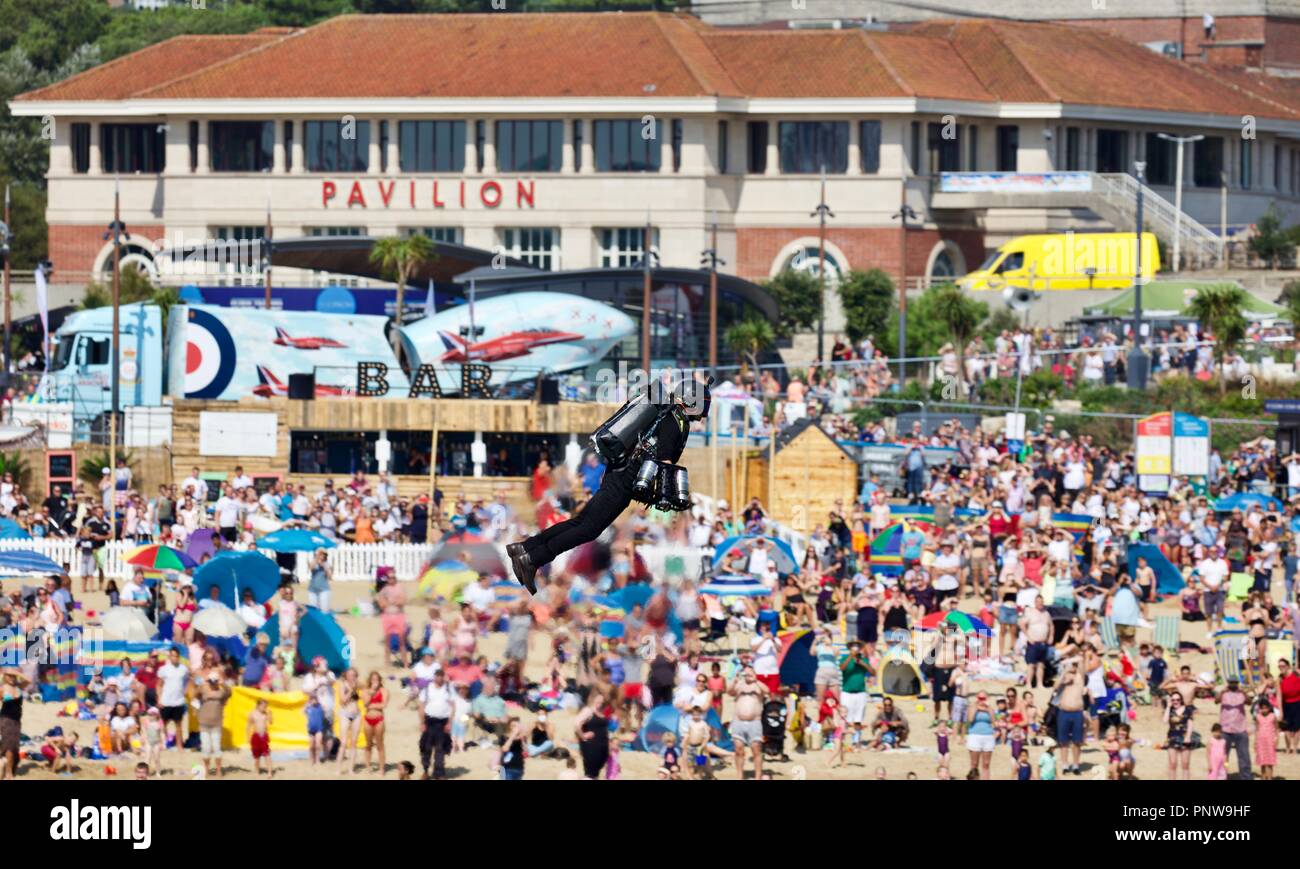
<point x="209" y="356"/>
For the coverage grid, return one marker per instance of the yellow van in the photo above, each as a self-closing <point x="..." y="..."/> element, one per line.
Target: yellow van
<point x="1067" y="261"/>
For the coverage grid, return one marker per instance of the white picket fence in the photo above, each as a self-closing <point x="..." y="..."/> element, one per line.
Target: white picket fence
<point x="350" y="562"/>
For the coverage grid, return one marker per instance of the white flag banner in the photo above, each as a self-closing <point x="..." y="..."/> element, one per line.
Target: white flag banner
<point x="428" y="300"/>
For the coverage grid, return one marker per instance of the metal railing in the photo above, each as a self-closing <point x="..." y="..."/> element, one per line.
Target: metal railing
<point x="1119" y="190"/>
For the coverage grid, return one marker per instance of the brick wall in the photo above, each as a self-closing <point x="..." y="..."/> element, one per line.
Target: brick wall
<point x="865" y="248"/>
<point x="1191" y="34"/>
<point x="73" y="247"/>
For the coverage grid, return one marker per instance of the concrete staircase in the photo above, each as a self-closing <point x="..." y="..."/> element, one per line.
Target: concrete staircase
<point x="1114" y="198"/>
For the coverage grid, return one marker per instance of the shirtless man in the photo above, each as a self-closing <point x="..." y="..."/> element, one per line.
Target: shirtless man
<point x="746" y="726"/>
<point x="1039" y="633"/>
<point x="945" y="661"/>
<point x="1069" y="717"/>
<point x="1184" y="683"/>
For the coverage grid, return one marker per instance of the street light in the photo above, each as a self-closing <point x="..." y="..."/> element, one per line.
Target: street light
<point x="1138" y="364"/>
<point x="1178" y="190"/>
<point x="903" y="215"/>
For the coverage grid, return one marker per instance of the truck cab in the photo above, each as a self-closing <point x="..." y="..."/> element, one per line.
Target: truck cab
<point x="81" y="371"/>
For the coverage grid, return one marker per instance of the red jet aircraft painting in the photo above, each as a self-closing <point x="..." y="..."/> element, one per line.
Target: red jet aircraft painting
<point x="284" y="339"/>
<point x="270" y="386"/>
<point x="509" y="346"/>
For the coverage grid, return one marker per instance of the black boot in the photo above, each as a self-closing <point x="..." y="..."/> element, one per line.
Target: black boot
<point x="525" y="570"/>
<point x="514" y="549"/>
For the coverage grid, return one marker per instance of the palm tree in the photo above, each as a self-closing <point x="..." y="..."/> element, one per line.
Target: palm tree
<point x="1218" y="308"/>
<point x="961" y="315"/>
<point x="747" y="339"/>
<point x="399" y="257"/>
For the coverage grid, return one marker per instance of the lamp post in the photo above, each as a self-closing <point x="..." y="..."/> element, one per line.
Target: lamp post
<point x="821" y="212"/>
<point x="5" y="248"/>
<point x="1138" y="364"/>
<point x="117" y="233"/>
<point x="1178" y="191"/>
<point x="903" y="215"/>
<point x="647" y="267"/>
<point x="709" y="257"/>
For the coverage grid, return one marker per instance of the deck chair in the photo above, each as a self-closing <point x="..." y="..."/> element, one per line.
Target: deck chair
<point x="1109" y="635"/>
<point x="1167" y="633"/>
<point x="1227" y="658"/>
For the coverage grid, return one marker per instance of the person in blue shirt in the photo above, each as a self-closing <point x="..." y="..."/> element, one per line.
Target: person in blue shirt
<point x="913" y="542"/>
<point x="255" y="661"/>
<point x="914" y="471"/>
<point x="592" y="471"/>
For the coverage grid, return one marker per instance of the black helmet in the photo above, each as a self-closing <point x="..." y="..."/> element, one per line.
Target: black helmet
<point x="694" y="397"/>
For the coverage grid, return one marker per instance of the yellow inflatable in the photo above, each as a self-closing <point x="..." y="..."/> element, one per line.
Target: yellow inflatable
<point x="288" y="719"/>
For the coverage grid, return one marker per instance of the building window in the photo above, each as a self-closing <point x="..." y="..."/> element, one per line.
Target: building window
<point x="945" y="153"/>
<point x="577" y="146"/>
<point x="383" y="146"/>
<point x="1160" y="160"/>
<point x="432" y="146"/>
<point x="480" y="144"/>
<point x="441" y="234"/>
<point x="724" y="133"/>
<point x="81" y="148"/>
<point x="623" y="146"/>
<point x="1112" y="150"/>
<point x="194" y="146"/>
<point x="811" y="146"/>
<point x="334" y="231"/>
<point x="1277" y="167"/>
<point x="1072" y="150"/>
<point x="239" y="249"/>
<point x="914" y="151"/>
<point x="973" y="148"/>
<point x="809" y="260"/>
<point x="1247" y="162"/>
<point x="625" y="246"/>
<point x="328" y="149"/>
<point x="288" y="146"/>
<point x="132" y="148"/>
<point x="678" y="135"/>
<point x="241" y="146"/>
<point x="539" y="246"/>
<point x="757" y="139"/>
<point x="530" y="146"/>
<point x="869" y="146"/>
<point x="1008" y="148"/>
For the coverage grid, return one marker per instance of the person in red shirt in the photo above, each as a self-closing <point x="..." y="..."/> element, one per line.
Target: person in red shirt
<point x="1289" y="690"/>
<point x="147" y="675"/>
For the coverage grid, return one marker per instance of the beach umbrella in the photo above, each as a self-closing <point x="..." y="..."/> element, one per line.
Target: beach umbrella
<point x="219" y="621"/>
<point x="479" y="554"/>
<point x="965" y="622"/>
<point x="886" y="551"/>
<point x="777" y="550"/>
<point x="27" y="561"/>
<point x="127" y="623"/>
<point x="1243" y="500"/>
<point x="233" y="572"/>
<point x="734" y="585"/>
<point x="295" y="540"/>
<point x="155" y="556"/>
<point x="201" y="542"/>
<point x="445" y="579"/>
<point x="11" y="530"/>
<point x="264" y="524"/>
<point x="319" y="633"/>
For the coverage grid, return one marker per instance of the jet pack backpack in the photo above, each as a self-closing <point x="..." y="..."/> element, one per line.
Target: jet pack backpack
<point x="617" y="438"/>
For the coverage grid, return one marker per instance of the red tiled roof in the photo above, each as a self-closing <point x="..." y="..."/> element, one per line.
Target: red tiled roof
<point x="673" y="55"/>
<point x="129" y="75"/>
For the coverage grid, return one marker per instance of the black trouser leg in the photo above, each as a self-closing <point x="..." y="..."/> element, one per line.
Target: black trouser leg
<point x="611" y="499"/>
<point x="434" y="742"/>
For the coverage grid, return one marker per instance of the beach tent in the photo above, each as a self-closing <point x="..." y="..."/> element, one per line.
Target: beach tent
<point x="318" y="634"/>
<point x="288" y="730"/>
<point x="777" y="550"/>
<point x="1239" y="585"/>
<point x="1168" y="578"/>
<point x="668" y="719"/>
<point x="885" y="554"/>
<point x="899" y="675"/>
<point x="734" y="585"/>
<point x="797" y="663"/>
<point x="1163" y="299"/>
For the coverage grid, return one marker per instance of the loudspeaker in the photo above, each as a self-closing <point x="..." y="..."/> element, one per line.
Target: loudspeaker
<point x="302" y="386"/>
<point x="548" y="390"/>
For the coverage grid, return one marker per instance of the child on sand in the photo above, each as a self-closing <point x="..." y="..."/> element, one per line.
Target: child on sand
<point x="153" y="737"/>
<point x="460" y="706"/>
<point x="1047" y="764"/>
<point x="941" y="734"/>
<point x="1216" y="756"/>
<point x="670" y="768"/>
<point x="699" y="745"/>
<point x="1111" y="747"/>
<point x="259" y="737"/>
<point x="315" y="728"/>
<point x="1024" y="772"/>
<point x="1265" y="739"/>
<point x="1127" y="762"/>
